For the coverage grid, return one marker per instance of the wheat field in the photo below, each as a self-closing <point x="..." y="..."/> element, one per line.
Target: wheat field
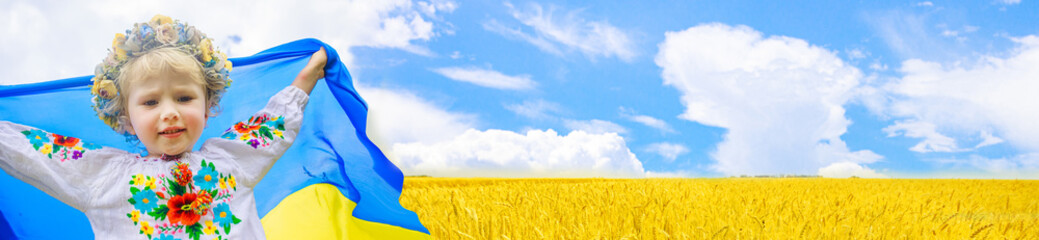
<point x="725" y="208"/>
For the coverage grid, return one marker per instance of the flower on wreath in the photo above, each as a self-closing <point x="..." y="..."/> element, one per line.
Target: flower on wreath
<point x="165" y="237"/>
<point x="159" y="32"/>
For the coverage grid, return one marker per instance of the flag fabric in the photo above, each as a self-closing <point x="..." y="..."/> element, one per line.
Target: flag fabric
<point x="333" y="183"/>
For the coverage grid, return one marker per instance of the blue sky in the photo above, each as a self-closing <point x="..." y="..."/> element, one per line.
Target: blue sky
<point x="631" y="89"/>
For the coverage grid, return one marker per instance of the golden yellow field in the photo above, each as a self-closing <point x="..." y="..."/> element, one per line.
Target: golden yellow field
<point x="731" y="208"/>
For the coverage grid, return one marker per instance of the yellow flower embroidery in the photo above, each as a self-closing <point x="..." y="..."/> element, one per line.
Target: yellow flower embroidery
<point x="150" y="183"/>
<point x="210" y="229"/>
<point x="146" y="228"/>
<point x="138" y="179"/>
<point x="46" y="149"/>
<point x="223" y="183"/>
<point x="135" y="216"/>
<point x="231" y="182"/>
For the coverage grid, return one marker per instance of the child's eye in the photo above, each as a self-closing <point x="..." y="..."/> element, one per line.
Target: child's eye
<point x="151" y="103"/>
<point x="185" y="99"/>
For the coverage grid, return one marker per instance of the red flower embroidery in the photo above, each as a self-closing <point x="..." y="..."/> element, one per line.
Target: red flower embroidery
<point x="187" y="209"/>
<point x="69" y="142"/>
<point x="181" y="211"/>
<point x="241" y="127"/>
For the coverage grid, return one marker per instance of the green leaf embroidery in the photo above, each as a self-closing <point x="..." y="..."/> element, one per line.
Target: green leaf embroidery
<point x="159" y="212"/>
<point x="194" y="230"/>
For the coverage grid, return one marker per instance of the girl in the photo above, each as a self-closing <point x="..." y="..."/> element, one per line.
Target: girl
<point x="159" y="84"/>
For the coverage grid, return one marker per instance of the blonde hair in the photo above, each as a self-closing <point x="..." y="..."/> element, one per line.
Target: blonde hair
<point x="164" y="61"/>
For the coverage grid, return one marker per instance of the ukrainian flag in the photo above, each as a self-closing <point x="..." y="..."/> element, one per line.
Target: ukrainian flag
<point x="333" y="183"/>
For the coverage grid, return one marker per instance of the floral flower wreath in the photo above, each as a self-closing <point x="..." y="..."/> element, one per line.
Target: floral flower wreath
<point x="160" y="32"/>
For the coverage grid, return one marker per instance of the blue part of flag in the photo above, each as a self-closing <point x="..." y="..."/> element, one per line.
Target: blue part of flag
<point x="332" y="146"/>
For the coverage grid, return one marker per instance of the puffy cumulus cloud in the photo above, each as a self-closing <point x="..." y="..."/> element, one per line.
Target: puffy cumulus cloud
<point x="995" y="95"/>
<point x="424" y="138"/>
<point x="486" y="78"/>
<point x="594" y="126"/>
<point x="399" y="116"/>
<point x="498" y="153"/>
<point x="669" y="151"/>
<point x="990" y="101"/>
<point x="557" y="34"/>
<point x="52" y="40"/>
<point x="848" y="169"/>
<point x="780" y="98"/>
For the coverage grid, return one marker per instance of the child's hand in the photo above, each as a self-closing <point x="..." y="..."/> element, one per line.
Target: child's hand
<point x="314" y="70"/>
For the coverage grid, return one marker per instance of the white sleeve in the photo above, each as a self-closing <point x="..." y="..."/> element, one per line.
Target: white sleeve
<point x="257" y="143"/>
<point x="63" y="167"/>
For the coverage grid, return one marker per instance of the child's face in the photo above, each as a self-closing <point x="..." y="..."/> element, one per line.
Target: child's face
<point x="167" y="112"/>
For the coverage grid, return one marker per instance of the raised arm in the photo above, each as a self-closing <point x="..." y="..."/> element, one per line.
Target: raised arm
<point x="314" y="70"/>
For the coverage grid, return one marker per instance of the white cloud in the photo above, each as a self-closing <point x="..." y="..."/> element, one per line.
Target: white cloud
<point x="914" y="34"/>
<point x="848" y="169"/>
<point x="925" y="4"/>
<point x="423" y="138"/>
<point x="497" y="153"/>
<point x="594" y="126"/>
<point x="486" y="78"/>
<point x="1021" y="166"/>
<point x="856" y="54"/>
<point x="396" y="116"/>
<point x="53" y="40"/>
<point x="988" y="140"/>
<point x="646" y="120"/>
<point x="933" y="141"/>
<point x="538" y="109"/>
<point x="557" y="34"/>
<point x="673" y="174"/>
<point x="780" y="98"/>
<point x="669" y="151"/>
<point x="992" y="98"/>
<point x="1009" y="2"/>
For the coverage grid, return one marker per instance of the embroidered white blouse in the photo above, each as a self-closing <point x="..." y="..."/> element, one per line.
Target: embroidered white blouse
<point x="206" y="194"/>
